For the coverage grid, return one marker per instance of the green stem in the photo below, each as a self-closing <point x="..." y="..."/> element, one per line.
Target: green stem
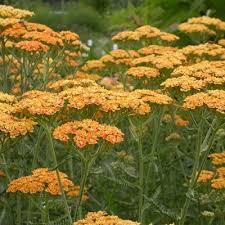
<point x="52" y="149"/>
<point x="202" y="147"/>
<point x="37" y="148"/>
<point x="141" y="182"/>
<point x="85" y="172"/>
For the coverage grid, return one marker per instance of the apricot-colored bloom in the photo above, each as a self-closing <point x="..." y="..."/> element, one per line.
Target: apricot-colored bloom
<point x="6" y="98"/>
<point x="70" y="83"/>
<point x="43" y="180"/>
<point x="5" y="23"/>
<point x="47" y="37"/>
<point x="87" y="76"/>
<point x="141" y="71"/>
<point x="202" y="50"/>
<point x="205" y="176"/>
<point x="14" y="127"/>
<point x="69" y="36"/>
<point x="208" y="21"/>
<point x="217" y="158"/>
<point x="222" y="42"/>
<point x="145" y="32"/>
<point x="93" y="65"/>
<point x="87" y="132"/>
<point x="100" y="218"/>
<point x="195" y="28"/>
<point x="166" y="61"/>
<point x="156" y="50"/>
<point x="11" y="12"/>
<point x="39" y="103"/>
<point x="213" y="99"/>
<point x="152" y="96"/>
<point x="106" y="100"/>
<point x="32" y="46"/>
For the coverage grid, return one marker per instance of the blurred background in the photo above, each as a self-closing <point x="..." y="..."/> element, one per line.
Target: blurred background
<point x="98" y="20"/>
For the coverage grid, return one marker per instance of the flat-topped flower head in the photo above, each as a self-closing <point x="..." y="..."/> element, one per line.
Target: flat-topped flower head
<point x="69" y="36"/>
<point x="32" y="46"/>
<point x="218" y="159"/>
<point x="93" y="65"/>
<point x="203" y="50"/>
<point x="102" y="218"/>
<point x="87" y="132"/>
<point x="5" y="23"/>
<point x="145" y="32"/>
<point x="43" y="180"/>
<point x="6" y="98"/>
<point x="39" y="103"/>
<point x="152" y="96"/>
<point x="50" y="38"/>
<point x="196" y="28"/>
<point x="165" y="61"/>
<point x="87" y="76"/>
<point x="64" y="84"/>
<point x="205" y="176"/>
<point x="184" y="83"/>
<point x="197" y="76"/>
<point x="142" y="71"/>
<point x="213" y="99"/>
<point x="11" y="12"/>
<point x="106" y="100"/>
<point x="157" y="50"/>
<point x="214" y="23"/>
<point x="222" y="42"/>
<point x="13" y="127"/>
<point x="126" y="36"/>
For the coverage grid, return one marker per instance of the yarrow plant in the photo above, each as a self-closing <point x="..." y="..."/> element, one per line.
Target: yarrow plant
<point x="129" y="133"/>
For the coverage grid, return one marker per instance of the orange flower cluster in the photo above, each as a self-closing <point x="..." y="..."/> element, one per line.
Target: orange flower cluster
<point x="203" y="50"/>
<point x="47" y="37"/>
<point x="213" y="99"/>
<point x="93" y="65"/>
<point x="216" y="178"/>
<point x="11" y="12"/>
<point x="4" y="23"/>
<point x="210" y="22"/>
<point x="63" y="84"/>
<point x="217" y="159"/>
<point x="32" y="46"/>
<point x="196" y="28"/>
<point x="205" y="176"/>
<point x="106" y="100"/>
<point x="87" y="132"/>
<point x="43" y="180"/>
<point x="6" y="98"/>
<point x="157" y="50"/>
<point x="102" y="218"/>
<point x="197" y="76"/>
<point x="184" y="83"/>
<point x="145" y="32"/>
<point x="39" y="103"/>
<point x="141" y="71"/>
<point x="87" y="76"/>
<point x="14" y="127"/>
<point x="166" y="61"/>
<point x="222" y="42"/>
<point x="19" y="29"/>
<point x="120" y="57"/>
<point x="152" y="96"/>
